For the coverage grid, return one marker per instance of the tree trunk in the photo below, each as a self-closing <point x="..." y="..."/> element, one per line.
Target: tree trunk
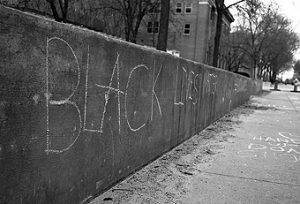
<point x="133" y="37"/>
<point x="220" y="6"/>
<point x="135" y="31"/>
<point x="127" y="33"/>
<point x="220" y="11"/>
<point x="162" y="40"/>
<point x="260" y="73"/>
<point x="127" y="29"/>
<point x="254" y="67"/>
<point x="65" y="10"/>
<point x="271" y="75"/>
<point x="53" y="9"/>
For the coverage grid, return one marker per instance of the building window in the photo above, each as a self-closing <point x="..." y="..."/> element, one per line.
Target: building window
<point x="187" y="29"/>
<point x="188" y="8"/>
<point x="152" y="27"/>
<point x="178" y="8"/>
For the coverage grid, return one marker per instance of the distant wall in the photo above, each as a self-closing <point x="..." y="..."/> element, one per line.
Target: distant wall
<point x="79" y="110"/>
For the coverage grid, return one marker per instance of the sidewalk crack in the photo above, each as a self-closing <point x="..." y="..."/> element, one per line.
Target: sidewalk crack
<point x="248" y="178"/>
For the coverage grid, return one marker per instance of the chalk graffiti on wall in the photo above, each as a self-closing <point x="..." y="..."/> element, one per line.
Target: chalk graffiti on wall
<point x="187" y="83"/>
<point x="153" y="93"/>
<point x="116" y="71"/>
<point x="67" y="100"/>
<point x="195" y="85"/>
<point x="285" y="146"/>
<point x="240" y="85"/>
<point x="179" y="102"/>
<point x="142" y="66"/>
<point x="214" y="83"/>
<point x="210" y="83"/>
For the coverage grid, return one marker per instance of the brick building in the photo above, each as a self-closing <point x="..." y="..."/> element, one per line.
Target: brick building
<point x="191" y="29"/>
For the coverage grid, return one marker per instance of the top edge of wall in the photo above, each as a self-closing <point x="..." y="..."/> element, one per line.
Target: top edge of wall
<point x="5" y="9"/>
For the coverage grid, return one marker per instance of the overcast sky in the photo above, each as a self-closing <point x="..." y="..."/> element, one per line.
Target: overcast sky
<point x="289" y="8"/>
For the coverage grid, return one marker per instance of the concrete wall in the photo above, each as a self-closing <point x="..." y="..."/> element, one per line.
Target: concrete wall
<point x="79" y="110"/>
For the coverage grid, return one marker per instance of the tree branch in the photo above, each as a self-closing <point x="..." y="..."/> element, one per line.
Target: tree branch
<point x="233" y="4"/>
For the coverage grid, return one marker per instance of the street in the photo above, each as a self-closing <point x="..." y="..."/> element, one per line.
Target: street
<point x="251" y="155"/>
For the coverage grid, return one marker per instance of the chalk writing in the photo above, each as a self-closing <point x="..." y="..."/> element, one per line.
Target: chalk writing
<point x="188" y="90"/>
<point x="69" y="100"/>
<point x="214" y="82"/>
<point x="93" y="118"/>
<point x="60" y="102"/>
<point x="107" y="93"/>
<point x="195" y="90"/>
<point x="86" y="94"/>
<point x="286" y="144"/>
<point x="181" y="89"/>
<point x="206" y="82"/>
<point x="155" y="95"/>
<point x="126" y="94"/>
<point x="184" y="83"/>
<point x="240" y="85"/>
<point x="210" y="83"/>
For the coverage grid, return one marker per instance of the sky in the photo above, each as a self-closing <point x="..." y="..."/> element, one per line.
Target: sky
<point x="288" y="8"/>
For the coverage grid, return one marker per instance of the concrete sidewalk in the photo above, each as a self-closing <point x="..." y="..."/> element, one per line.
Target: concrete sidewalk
<point x="251" y="155"/>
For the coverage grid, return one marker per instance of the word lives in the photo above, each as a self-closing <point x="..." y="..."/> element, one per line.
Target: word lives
<point x="285" y="146"/>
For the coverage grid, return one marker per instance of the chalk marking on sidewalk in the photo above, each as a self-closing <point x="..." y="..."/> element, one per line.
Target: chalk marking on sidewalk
<point x="286" y="144"/>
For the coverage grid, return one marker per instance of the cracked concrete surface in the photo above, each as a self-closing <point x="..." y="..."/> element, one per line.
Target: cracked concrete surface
<point x="251" y="155"/>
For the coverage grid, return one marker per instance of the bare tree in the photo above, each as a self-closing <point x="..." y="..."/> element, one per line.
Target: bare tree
<point x="252" y="25"/>
<point x="63" y="9"/>
<point x="131" y="12"/>
<point x="163" y="25"/>
<point x="35" y="6"/>
<point x="19" y="4"/>
<point x="266" y="41"/>
<point x="280" y="54"/>
<point x="232" y="47"/>
<point x="221" y="9"/>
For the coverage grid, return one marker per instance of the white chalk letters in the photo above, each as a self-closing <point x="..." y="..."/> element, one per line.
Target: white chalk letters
<point x="85" y="122"/>
<point x="285" y="145"/>
<point x="67" y="100"/>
